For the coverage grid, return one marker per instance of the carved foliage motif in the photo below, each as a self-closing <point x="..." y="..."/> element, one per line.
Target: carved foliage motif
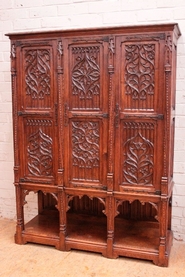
<point x="37" y="73"/>
<point x="139" y="68"/>
<point x="86" y="72"/>
<point x="39" y="153"/>
<point x="85" y="144"/>
<point x="138" y="158"/>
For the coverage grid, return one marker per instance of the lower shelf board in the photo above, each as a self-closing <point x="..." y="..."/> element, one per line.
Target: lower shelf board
<point x="86" y="228"/>
<point x="43" y="229"/>
<point x="139" y="239"/>
<point x="136" y="234"/>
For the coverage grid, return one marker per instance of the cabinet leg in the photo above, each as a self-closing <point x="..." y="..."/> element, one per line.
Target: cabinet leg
<point x="110" y="226"/>
<point x="62" y="210"/>
<point x="18" y="235"/>
<point x="164" y="240"/>
<point x="20" y="216"/>
<point x="62" y="237"/>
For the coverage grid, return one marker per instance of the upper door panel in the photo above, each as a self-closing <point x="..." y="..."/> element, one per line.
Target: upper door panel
<point x="86" y="111"/>
<point x="139" y="75"/>
<point x="37" y="74"/>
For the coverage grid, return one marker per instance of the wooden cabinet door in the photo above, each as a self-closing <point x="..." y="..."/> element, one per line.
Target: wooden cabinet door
<point x="86" y="112"/>
<point x="139" y="112"/>
<point x="36" y="110"/>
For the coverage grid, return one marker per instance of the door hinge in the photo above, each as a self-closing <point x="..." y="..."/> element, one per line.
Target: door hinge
<point x="105" y="115"/>
<point x="21" y="113"/>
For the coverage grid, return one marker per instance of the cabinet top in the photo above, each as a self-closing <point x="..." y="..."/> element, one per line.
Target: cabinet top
<point x="168" y="27"/>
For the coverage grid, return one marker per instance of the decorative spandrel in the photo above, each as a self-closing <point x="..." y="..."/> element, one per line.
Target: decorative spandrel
<point x="85" y="150"/>
<point x="138" y="154"/>
<point x="39" y="149"/>
<point x="37" y="78"/>
<point x="139" y="76"/>
<point x="85" y="77"/>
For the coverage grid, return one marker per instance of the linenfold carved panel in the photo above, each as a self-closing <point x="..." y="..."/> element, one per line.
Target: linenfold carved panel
<point x="39" y="147"/>
<point x="139" y="76"/>
<point x="85" y="150"/>
<point x="37" y="78"/>
<point x="138" y="153"/>
<point x="85" y="77"/>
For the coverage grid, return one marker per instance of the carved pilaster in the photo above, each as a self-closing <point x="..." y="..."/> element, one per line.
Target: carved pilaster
<point x="60" y="111"/>
<point x="168" y="65"/>
<point x="111" y="113"/>
<point x="14" y="100"/>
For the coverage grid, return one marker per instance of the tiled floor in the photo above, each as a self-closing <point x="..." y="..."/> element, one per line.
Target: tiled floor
<point x="37" y="260"/>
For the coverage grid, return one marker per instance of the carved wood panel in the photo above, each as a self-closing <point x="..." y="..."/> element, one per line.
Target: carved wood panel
<point x="37" y="78"/>
<point x="38" y="151"/>
<point x="86" y="76"/>
<point x="85" y="150"/>
<point x="85" y="79"/>
<point x="137" y="153"/>
<point x="139" y="74"/>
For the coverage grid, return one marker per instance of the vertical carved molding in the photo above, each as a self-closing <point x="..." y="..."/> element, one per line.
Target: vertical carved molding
<point x="60" y="109"/>
<point x="111" y="112"/>
<point x="110" y="200"/>
<point x="62" y="202"/>
<point x="14" y="100"/>
<point x="19" y="209"/>
<point x="168" y="59"/>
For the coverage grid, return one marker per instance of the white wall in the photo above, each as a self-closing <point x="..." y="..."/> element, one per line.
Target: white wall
<point x="32" y="15"/>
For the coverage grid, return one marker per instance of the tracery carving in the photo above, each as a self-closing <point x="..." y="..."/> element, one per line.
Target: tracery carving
<point x="55" y="196"/>
<point x="119" y="202"/>
<point x="26" y="192"/>
<point x="139" y="70"/>
<point x="138" y="163"/>
<point x="70" y="198"/>
<point x="86" y="72"/>
<point x="39" y="153"/>
<point x="37" y="73"/>
<point x="38" y="122"/>
<point x="85" y="144"/>
<point x="138" y="125"/>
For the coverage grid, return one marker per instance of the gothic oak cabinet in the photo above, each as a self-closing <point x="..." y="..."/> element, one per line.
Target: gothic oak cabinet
<point x="93" y="120"/>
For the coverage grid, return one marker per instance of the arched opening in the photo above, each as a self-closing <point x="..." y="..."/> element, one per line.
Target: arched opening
<point x="86" y="223"/>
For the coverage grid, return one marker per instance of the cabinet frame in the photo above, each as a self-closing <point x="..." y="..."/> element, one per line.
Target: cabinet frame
<point x="93" y="124"/>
